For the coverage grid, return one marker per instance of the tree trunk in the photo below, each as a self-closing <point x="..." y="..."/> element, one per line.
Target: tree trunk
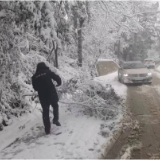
<point x="88" y="10"/>
<point x="75" y="20"/>
<point x="119" y="50"/>
<point x="56" y="53"/>
<point x="56" y="57"/>
<point x="81" y="21"/>
<point x="135" y="46"/>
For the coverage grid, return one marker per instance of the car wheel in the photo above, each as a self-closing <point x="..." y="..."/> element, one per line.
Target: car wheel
<point x="121" y="79"/>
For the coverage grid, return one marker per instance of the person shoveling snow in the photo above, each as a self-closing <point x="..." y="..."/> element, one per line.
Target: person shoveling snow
<point x="42" y="83"/>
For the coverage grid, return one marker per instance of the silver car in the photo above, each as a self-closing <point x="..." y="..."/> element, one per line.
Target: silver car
<point x="149" y="63"/>
<point x="134" y="72"/>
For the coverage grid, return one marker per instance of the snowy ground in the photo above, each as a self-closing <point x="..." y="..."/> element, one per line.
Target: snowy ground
<point x="158" y="68"/>
<point x="112" y="79"/>
<point x="80" y="136"/>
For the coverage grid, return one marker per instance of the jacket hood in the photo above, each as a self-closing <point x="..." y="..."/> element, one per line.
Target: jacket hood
<point x="41" y="66"/>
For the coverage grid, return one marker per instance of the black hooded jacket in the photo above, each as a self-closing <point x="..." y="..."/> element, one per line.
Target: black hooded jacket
<point x="42" y="82"/>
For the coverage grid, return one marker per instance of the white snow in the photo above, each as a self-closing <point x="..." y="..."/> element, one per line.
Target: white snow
<point x="108" y="60"/>
<point x="101" y="59"/>
<point x="80" y="137"/>
<point x="127" y="153"/>
<point x="3" y="13"/>
<point x="12" y="132"/>
<point x="157" y="73"/>
<point x="129" y="149"/>
<point x="112" y="79"/>
<point x="158" y="68"/>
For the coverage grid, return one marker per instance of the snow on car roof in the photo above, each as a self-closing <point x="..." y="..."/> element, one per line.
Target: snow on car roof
<point x="127" y="62"/>
<point x="148" y="59"/>
<point x="101" y="59"/>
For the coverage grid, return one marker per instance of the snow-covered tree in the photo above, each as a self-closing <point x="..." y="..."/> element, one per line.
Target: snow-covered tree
<point x="142" y="41"/>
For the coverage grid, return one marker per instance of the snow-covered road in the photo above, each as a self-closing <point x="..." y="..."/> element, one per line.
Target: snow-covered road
<point x="141" y="138"/>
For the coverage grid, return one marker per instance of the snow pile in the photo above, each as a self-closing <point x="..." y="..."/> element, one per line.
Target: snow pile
<point x="158" y="68"/>
<point x="97" y="100"/>
<point x="129" y="149"/>
<point x="156" y="73"/>
<point x="112" y="79"/>
<point x="104" y="60"/>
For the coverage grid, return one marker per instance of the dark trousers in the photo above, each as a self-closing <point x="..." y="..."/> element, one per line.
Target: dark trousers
<point x="46" y="120"/>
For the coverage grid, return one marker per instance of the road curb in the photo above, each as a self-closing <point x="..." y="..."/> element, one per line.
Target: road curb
<point x="112" y="142"/>
<point x="124" y="123"/>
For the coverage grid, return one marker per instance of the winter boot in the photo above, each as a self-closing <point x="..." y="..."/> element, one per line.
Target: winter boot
<point x="56" y="123"/>
<point x="47" y="133"/>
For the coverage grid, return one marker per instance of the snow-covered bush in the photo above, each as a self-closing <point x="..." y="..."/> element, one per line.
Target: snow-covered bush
<point x="100" y="101"/>
<point x="17" y="84"/>
<point x="96" y="99"/>
<point x="79" y="89"/>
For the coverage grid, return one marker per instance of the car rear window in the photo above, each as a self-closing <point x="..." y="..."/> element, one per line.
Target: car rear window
<point x="133" y="65"/>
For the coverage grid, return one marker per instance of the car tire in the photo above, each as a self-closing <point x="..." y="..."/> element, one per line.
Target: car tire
<point x="121" y="80"/>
